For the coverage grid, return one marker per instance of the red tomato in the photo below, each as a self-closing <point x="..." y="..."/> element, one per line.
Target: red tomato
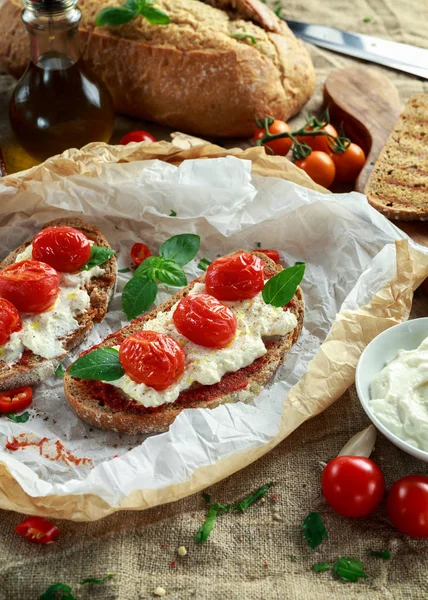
<point x="235" y="277"/>
<point x="38" y="530"/>
<point x="15" y="400"/>
<point x="319" y="166"/>
<point x="407" y="505"/>
<point x="349" y="163"/>
<point x="152" y="358"/>
<point x="352" y="485"/>
<point x="64" y="248"/>
<point x="140" y="252"/>
<point x="30" y="285"/>
<point x="272" y="254"/>
<point x="137" y="136"/>
<point x="280" y="146"/>
<point x="319" y="142"/>
<point x="205" y="321"/>
<point x="10" y="320"/>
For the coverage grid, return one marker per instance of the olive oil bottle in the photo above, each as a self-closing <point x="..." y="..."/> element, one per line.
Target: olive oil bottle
<point x="57" y="104"/>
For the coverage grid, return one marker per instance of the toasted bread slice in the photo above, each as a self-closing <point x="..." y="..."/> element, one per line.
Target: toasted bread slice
<point x="33" y="368"/>
<point x="87" y="398"/>
<point x="398" y="185"/>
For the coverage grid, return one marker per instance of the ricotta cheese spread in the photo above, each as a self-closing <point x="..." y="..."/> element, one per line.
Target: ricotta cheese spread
<point x="399" y="396"/>
<point x="44" y="333"/>
<point x="255" y="321"/>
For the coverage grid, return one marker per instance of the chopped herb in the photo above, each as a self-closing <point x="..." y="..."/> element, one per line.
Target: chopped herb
<point x="19" y="418"/>
<point x="206" y="497"/>
<point x="278" y="11"/>
<point x="385" y="554"/>
<point x="208" y="525"/>
<point x="92" y="580"/>
<point x="99" y="255"/>
<point x="58" y="591"/>
<point x="203" y="264"/>
<point x="280" y="289"/>
<point x="60" y="371"/>
<point x="258" y="244"/>
<point x="124" y="270"/>
<point x="372" y="162"/>
<point x="172" y="213"/>
<point x="349" y="569"/>
<point x="293" y="558"/>
<point x="244" y="36"/>
<point x="367" y="19"/>
<point x="249" y="500"/>
<point x="320" y="567"/>
<point x="313" y="529"/>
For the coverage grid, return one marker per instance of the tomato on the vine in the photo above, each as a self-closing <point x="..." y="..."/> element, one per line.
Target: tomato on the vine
<point x="235" y="277"/>
<point x="205" y="321"/>
<point x="407" y="505"/>
<point x="152" y="358"/>
<point x="38" y="530"/>
<point x="137" y="136"/>
<point x="15" y="400"/>
<point x="348" y="163"/>
<point x="319" y="166"/>
<point x="10" y="320"/>
<point x="66" y="249"/>
<point x="352" y="485"/>
<point x="139" y="253"/>
<point x="272" y="254"/>
<point x="30" y="285"/>
<point x="280" y="146"/>
<point x="319" y="142"/>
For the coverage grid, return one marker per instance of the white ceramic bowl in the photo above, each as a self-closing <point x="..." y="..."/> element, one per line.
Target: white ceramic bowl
<point x="382" y="349"/>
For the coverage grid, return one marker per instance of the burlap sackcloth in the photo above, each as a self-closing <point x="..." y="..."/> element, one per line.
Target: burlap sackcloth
<point x="248" y="556"/>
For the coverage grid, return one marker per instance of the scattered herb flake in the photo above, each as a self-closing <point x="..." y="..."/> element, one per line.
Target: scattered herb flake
<point x="258" y="245"/>
<point x="19" y="418"/>
<point x="58" y="591"/>
<point x="293" y="558"/>
<point x="208" y="525"/>
<point x="172" y="213"/>
<point x="60" y="371"/>
<point x="367" y="19"/>
<point x="127" y="270"/>
<point x="97" y="581"/>
<point x="206" y="497"/>
<point x="249" y="500"/>
<point x="349" y="569"/>
<point x="313" y="529"/>
<point x="385" y="554"/>
<point x="320" y="567"/>
<point x="244" y="36"/>
<point x="203" y="264"/>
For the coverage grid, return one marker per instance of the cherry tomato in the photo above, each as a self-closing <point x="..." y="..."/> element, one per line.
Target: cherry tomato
<point x="38" y="530"/>
<point x="319" y="142"/>
<point x="319" y="166"/>
<point x="205" y="321"/>
<point x="280" y="146"/>
<point x="137" y="136"/>
<point x="140" y="252"/>
<point x="235" y="277"/>
<point x="10" y="320"/>
<point x="353" y="485"/>
<point x="152" y="358"/>
<point x="272" y="254"/>
<point x="349" y="163"/>
<point x="30" y="285"/>
<point x="15" y="400"/>
<point x="407" y="505"/>
<point x="64" y="248"/>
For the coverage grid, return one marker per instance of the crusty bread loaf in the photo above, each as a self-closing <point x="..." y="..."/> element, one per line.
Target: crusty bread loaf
<point x="98" y="414"/>
<point x="36" y="368"/>
<point x="191" y="74"/>
<point x="398" y="185"/>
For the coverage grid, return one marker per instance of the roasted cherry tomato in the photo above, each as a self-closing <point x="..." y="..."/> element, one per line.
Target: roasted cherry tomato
<point x="319" y="142"/>
<point x="272" y="254"/>
<point x="137" y="136"/>
<point x="353" y="485"/>
<point x="140" y="252"/>
<point x="280" y="146"/>
<point x="64" y="248"/>
<point x="319" y="166"/>
<point x="205" y="321"/>
<point x="152" y="358"/>
<point x="407" y="505"/>
<point x="349" y="163"/>
<point x="30" y="285"/>
<point x="10" y="320"/>
<point x="235" y="277"/>
<point x="15" y="400"/>
<point x="38" y="530"/>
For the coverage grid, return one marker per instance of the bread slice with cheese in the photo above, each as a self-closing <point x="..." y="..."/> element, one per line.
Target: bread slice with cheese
<point x="32" y="368"/>
<point x="107" y="407"/>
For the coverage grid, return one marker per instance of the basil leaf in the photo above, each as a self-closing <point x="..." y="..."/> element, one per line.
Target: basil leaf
<point x="99" y="255"/>
<point x="203" y="264"/>
<point x="313" y="529"/>
<point x="244" y="36"/>
<point x="154" y="15"/>
<point x="385" y="554"/>
<point x="93" y="580"/>
<point x="172" y="274"/>
<point x="60" y="371"/>
<point x="149" y="267"/>
<point x="320" y="567"/>
<point x="138" y="294"/>
<point x="102" y="364"/>
<point x="58" y="591"/>
<point x="114" y="15"/>
<point x="181" y="248"/>
<point x="349" y="569"/>
<point x="249" y="500"/>
<point x="19" y="418"/>
<point x="280" y="288"/>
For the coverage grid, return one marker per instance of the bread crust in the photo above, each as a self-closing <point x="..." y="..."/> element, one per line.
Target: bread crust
<point x="195" y="78"/>
<point x="100" y="289"/>
<point x="106" y="417"/>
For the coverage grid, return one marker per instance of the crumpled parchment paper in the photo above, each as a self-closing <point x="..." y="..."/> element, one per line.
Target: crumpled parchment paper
<point x="360" y="277"/>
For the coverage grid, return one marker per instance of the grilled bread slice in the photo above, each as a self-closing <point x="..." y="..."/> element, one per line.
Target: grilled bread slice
<point x="33" y="368"/>
<point x="92" y="400"/>
<point x="398" y="185"/>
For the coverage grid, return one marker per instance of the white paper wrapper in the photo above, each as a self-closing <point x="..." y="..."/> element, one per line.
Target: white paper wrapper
<point x="351" y="270"/>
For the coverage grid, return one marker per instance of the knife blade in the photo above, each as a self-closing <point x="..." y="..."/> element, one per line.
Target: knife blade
<point x="395" y="55"/>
